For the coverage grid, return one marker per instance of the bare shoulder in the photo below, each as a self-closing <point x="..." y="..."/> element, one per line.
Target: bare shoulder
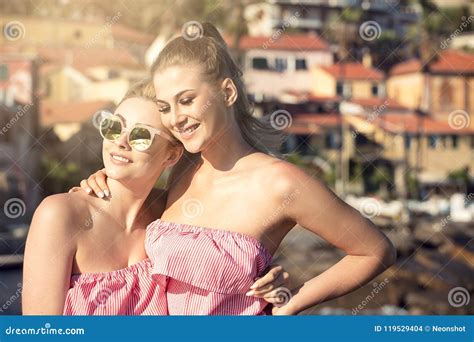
<point x="282" y="178"/>
<point x="60" y="213"/>
<point x="59" y="206"/>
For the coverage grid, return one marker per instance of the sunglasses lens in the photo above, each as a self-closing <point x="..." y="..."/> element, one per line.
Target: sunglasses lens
<point x="140" y="138"/>
<point x="110" y="128"/>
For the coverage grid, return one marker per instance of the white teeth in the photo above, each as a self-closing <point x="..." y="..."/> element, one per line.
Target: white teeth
<point x="125" y="160"/>
<point x="189" y="129"/>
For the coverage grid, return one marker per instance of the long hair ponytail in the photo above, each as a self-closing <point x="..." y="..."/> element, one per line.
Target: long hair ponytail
<point x="209" y="50"/>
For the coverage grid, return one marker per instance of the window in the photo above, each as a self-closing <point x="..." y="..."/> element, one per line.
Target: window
<point x="339" y="88"/>
<point x="281" y="64"/>
<point x="300" y="64"/>
<point x="259" y="63"/>
<point x="433" y="141"/>
<point x="333" y="140"/>
<point x="408" y="141"/>
<point x="446" y="95"/>
<point x="3" y="72"/>
<point x="454" y="141"/>
<point x="343" y="89"/>
<point x="375" y="89"/>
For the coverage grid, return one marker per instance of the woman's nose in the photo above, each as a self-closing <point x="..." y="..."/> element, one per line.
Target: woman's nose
<point x="122" y="142"/>
<point x="177" y="119"/>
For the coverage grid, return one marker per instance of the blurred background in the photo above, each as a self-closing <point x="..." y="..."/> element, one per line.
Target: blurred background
<point x="376" y="99"/>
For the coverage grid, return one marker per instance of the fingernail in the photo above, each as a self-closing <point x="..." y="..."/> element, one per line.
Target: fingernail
<point x="250" y="293"/>
<point x="107" y="193"/>
<point x="100" y="194"/>
<point x="89" y="190"/>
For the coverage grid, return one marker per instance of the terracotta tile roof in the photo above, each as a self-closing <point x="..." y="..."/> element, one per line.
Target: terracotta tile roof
<point x="390" y="122"/>
<point x="452" y="61"/>
<point x="372" y="103"/>
<point x="449" y="61"/>
<point x="302" y="128"/>
<point x="322" y="120"/>
<point x="117" y="30"/>
<point x="376" y="102"/>
<point x="318" y="98"/>
<point x="353" y="71"/>
<point x="78" y="57"/>
<point x="52" y="113"/>
<point x="9" y="48"/>
<point x="132" y="35"/>
<point x="411" y="123"/>
<point x="296" y="42"/>
<point x="83" y="58"/>
<point x="304" y="96"/>
<point x="408" y="67"/>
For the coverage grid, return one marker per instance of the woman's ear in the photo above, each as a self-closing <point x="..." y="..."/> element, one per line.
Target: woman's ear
<point x="175" y="154"/>
<point x="230" y="91"/>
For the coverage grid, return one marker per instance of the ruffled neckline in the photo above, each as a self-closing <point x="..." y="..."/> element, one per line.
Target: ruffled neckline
<point x="186" y="227"/>
<point x="115" y="274"/>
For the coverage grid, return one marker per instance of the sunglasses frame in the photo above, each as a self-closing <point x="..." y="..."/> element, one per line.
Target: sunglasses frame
<point x="152" y="130"/>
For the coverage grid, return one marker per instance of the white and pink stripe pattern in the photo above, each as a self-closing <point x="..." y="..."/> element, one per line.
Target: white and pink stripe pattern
<point x="208" y="271"/>
<point x="128" y="291"/>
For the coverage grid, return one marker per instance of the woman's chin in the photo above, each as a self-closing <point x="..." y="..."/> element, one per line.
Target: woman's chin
<point x="117" y="173"/>
<point x="193" y="146"/>
<point x="192" y="150"/>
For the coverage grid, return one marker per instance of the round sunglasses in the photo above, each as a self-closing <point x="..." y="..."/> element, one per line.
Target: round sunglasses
<point x="139" y="136"/>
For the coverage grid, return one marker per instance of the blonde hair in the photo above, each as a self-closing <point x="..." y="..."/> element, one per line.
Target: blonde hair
<point x="144" y="89"/>
<point x="210" y="51"/>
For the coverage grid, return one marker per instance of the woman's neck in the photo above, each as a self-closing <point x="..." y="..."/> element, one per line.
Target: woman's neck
<point x="127" y="199"/>
<point x="224" y="151"/>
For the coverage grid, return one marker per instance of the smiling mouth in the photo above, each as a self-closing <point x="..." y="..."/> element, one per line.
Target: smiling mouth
<point x="189" y="129"/>
<point x="119" y="158"/>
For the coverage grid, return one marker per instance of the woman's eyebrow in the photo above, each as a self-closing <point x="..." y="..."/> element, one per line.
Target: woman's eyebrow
<point x="181" y="92"/>
<point x="144" y="124"/>
<point x="122" y="118"/>
<point x="136" y="123"/>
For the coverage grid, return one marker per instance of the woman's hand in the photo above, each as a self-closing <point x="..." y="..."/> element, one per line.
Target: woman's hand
<point x="285" y="310"/>
<point x="272" y="286"/>
<point x="96" y="184"/>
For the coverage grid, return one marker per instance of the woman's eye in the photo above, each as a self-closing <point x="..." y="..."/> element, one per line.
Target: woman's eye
<point x="186" y="101"/>
<point x="163" y="109"/>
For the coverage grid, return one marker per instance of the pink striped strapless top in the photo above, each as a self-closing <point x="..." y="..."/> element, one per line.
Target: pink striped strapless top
<point x="207" y="271"/>
<point x="127" y="291"/>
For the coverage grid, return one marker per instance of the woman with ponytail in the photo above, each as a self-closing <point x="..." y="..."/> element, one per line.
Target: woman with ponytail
<point x="231" y="201"/>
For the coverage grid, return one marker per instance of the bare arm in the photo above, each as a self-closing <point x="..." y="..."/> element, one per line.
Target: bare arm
<point x="49" y="254"/>
<point x="319" y="210"/>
